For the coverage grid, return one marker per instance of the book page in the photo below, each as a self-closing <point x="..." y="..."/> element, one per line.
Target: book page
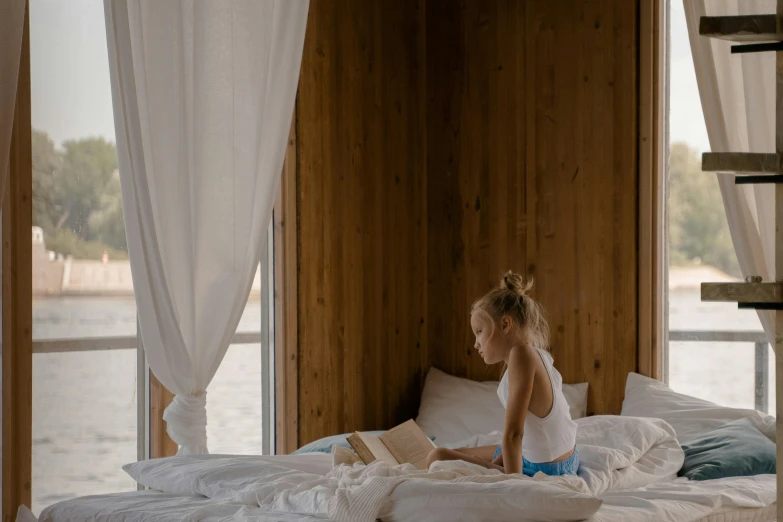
<point x="408" y="444"/>
<point x="377" y="448"/>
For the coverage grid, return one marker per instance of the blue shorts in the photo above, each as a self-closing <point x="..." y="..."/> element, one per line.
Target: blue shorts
<point x="568" y="466"/>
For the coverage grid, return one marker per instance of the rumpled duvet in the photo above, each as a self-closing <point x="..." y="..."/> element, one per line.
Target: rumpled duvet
<point x="628" y="472"/>
<point x="615" y="452"/>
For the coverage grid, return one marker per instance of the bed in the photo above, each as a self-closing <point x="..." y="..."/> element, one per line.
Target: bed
<point x="629" y="472"/>
<point x="754" y="501"/>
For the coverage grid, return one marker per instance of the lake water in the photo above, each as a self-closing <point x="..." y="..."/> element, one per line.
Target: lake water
<point x="84" y="404"/>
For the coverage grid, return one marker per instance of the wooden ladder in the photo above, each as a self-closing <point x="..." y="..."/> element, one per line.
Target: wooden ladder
<point x="757" y="33"/>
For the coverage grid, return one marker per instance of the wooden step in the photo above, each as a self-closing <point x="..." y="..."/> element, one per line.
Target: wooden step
<point x="741" y="162"/>
<point x="748" y="28"/>
<point x="742" y="292"/>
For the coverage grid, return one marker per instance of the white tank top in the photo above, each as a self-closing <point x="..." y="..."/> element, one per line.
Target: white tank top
<point x="548" y="438"/>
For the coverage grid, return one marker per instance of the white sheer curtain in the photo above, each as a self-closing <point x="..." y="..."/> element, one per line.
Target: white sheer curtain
<point x="203" y="95"/>
<point x="738" y="99"/>
<point x="11" y="29"/>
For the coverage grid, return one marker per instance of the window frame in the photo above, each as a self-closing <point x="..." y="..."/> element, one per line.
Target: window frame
<point x="653" y="135"/>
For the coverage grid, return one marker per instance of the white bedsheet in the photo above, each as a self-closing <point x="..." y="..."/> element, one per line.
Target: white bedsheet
<point x="686" y="500"/>
<point x="676" y="501"/>
<point x="137" y="506"/>
<point x="628" y="464"/>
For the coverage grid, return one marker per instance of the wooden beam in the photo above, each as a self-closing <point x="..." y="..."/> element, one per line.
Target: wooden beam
<point x="286" y="303"/>
<point x="17" y="302"/>
<point x="161" y="444"/>
<point x="95" y="344"/>
<point x="778" y="346"/>
<point x="742" y="292"/>
<point x="739" y="162"/>
<point x="650" y="261"/>
<point x="746" y="28"/>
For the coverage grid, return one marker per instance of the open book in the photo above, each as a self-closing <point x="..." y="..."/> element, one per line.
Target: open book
<point x="404" y="444"/>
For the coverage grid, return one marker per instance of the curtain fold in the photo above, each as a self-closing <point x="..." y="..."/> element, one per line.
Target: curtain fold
<point x="203" y="94"/>
<point x="738" y="99"/>
<point x="11" y="30"/>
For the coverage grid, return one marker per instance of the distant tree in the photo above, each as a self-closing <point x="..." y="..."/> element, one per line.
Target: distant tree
<point x="106" y="222"/>
<point x="76" y="196"/>
<point x="47" y="164"/>
<point x="698" y="230"/>
<point x="88" y="165"/>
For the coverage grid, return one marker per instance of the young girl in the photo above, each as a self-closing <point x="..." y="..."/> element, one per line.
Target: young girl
<point x="539" y="434"/>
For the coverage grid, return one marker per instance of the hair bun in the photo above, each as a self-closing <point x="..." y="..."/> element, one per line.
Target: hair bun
<point x="516" y="283"/>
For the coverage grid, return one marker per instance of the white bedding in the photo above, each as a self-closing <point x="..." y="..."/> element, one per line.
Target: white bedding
<point x="727" y="500"/>
<point x="628" y="464"/>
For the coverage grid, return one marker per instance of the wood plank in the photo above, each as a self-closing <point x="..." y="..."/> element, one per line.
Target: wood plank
<point x="445" y="253"/>
<point x="476" y="128"/>
<point x="286" y="345"/>
<point x="361" y="198"/>
<point x="91" y="344"/>
<point x="742" y="292"/>
<point x="84" y="345"/>
<point x="660" y="318"/>
<point x="739" y="162"/>
<point x="620" y="276"/>
<point x="161" y="444"/>
<point x="778" y="347"/>
<point x="744" y="28"/>
<point x="651" y="239"/>
<point x="510" y="128"/>
<point x="17" y="302"/>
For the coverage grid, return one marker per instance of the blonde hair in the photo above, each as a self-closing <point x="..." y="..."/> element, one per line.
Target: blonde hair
<point x="510" y="298"/>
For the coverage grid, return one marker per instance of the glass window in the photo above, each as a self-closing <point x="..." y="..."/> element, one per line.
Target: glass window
<point x="240" y="396"/>
<point x="85" y="387"/>
<point x="84" y="395"/>
<point x="700" y="250"/>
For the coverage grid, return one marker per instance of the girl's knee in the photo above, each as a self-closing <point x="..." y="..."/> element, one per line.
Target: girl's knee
<point x="440" y="454"/>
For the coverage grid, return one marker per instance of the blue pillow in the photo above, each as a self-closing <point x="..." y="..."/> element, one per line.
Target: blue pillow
<point x="325" y="445"/>
<point x="736" y="449"/>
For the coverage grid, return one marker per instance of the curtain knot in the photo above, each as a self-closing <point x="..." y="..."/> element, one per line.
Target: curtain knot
<point x="186" y="423"/>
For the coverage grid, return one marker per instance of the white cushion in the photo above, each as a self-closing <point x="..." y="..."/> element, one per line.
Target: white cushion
<point x="454" y="409"/>
<point x="222" y="477"/>
<point x="689" y="416"/>
<point x="576" y="397"/>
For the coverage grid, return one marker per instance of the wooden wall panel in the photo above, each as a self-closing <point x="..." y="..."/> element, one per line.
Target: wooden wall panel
<point x="361" y="209"/>
<point x="531" y="143"/>
<point x="476" y="211"/>
<point x="436" y="150"/>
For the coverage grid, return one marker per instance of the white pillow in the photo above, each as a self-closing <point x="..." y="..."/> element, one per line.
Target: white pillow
<point x="222" y="477"/>
<point x="689" y="416"/>
<point x="576" y="397"/>
<point x="454" y="409"/>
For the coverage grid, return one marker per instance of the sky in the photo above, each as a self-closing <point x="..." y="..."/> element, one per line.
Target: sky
<point x="69" y="68"/>
<point x="71" y="90"/>
<point x="686" y="121"/>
